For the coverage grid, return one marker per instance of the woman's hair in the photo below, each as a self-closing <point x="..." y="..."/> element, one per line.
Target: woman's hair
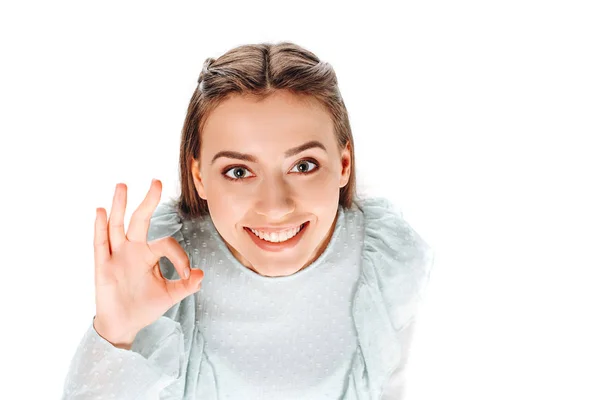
<point x="259" y="70"/>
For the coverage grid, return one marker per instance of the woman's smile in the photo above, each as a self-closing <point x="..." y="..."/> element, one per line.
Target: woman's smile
<point x="276" y="243"/>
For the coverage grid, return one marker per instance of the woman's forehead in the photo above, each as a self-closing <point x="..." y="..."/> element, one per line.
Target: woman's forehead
<point x="278" y="122"/>
<point x="280" y="110"/>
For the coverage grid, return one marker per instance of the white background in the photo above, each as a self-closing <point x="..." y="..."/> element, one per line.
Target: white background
<point x="479" y="119"/>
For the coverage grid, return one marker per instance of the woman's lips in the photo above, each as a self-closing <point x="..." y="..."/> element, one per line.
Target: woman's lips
<point x="276" y="247"/>
<point x="273" y="230"/>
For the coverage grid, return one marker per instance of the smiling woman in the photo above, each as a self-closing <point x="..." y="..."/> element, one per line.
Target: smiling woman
<point x="293" y="175"/>
<point x="308" y="291"/>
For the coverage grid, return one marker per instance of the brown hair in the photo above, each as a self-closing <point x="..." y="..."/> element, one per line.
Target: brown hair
<point x="259" y="70"/>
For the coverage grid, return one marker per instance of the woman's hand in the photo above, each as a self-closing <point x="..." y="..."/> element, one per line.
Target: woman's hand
<point x="131" y="292"/>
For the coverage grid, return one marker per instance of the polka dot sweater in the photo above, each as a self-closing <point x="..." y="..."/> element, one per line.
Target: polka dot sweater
<point x="337" y="329"/>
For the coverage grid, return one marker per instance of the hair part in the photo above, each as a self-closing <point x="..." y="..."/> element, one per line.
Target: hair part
<point x="258" y="70"/>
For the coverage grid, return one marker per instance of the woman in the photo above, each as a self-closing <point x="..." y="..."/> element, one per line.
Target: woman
<point x="297" y="288"/>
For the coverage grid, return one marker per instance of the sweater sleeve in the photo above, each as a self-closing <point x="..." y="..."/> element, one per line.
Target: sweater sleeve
<point x="155" y="367"/>
<point x="396" y="265"/>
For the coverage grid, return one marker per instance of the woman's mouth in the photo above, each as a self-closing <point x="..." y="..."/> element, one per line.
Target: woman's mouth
<point x="279" y="241"/>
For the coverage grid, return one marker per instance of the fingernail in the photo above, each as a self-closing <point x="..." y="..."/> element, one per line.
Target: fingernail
<point x="186" y="273"/>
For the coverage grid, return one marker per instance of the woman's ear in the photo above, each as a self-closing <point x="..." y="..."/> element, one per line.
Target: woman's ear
<point x="346" y="160"/>
<point x="195" y="168"/>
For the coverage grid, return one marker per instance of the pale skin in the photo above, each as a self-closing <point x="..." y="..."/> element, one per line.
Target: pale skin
<point x="276" y="189"/>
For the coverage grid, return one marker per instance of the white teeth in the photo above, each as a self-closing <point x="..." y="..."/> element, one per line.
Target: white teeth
<point x="277" y="237"/>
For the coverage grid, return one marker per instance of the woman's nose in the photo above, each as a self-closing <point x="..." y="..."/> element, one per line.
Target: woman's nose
<point x="274" y="201"/>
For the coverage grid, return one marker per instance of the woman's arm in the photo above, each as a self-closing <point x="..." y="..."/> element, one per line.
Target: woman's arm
<point x="101" y="370"/>
<point x="394" y="389"/>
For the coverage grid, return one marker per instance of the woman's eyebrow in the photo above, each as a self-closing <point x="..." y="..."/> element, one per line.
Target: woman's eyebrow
<point x="251" y="158"/>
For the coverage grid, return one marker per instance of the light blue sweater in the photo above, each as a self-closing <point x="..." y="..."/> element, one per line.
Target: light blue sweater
<point x="338" y="329"/>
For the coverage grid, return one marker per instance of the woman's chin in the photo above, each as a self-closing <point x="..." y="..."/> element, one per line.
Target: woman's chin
<point x="278" y="271"/>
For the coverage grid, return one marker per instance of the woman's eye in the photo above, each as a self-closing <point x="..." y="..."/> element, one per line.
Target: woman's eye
<point x="236" y="176"/>
<point x="239" y="175"/>
<point x="304" y="162"/>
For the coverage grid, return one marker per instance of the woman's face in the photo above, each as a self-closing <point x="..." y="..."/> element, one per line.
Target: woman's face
<point x="279" y="187"/>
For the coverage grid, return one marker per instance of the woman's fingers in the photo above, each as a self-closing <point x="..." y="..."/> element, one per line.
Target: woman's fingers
<point x="140" y="220"/>
<point x="116" y="229"/>
<point x="101" y="248"/>
<point x="182" y="288"/>
<point x="170" y="248"/>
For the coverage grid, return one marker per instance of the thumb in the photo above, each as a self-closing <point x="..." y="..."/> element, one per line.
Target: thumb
<point x="182" y="288"/>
